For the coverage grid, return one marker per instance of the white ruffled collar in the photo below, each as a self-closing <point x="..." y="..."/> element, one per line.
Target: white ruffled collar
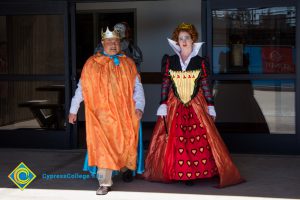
<point x="196" y="48"/>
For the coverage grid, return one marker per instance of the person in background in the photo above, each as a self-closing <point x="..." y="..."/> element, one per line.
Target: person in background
<point x="127" y="45"/>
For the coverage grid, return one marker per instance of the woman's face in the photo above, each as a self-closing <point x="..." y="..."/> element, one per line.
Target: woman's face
<point x="185" y="40"/>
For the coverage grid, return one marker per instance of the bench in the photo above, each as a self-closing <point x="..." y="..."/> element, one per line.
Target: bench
<point x="55" y="118"/>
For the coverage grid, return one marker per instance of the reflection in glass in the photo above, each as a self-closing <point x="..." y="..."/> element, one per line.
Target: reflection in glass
<point x="254" y="40"/>
<point x="32" y="44"/>
<point x="255" y="106"/>
<point x="30" y="104"/>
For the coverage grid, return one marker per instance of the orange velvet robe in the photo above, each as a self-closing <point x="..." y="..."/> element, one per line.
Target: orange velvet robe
<point x="111" y="123"/>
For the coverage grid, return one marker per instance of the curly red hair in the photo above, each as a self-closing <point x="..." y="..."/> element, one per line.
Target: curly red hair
<point x="189" y="28"/>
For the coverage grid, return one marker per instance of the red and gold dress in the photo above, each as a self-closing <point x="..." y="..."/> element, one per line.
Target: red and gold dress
<point x="186" y="145"/>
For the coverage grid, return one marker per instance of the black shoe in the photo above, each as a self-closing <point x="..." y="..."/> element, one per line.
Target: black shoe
<point x="103" y="190"/>
<point x="189" y="183"/>
<point x="127" y="176"/>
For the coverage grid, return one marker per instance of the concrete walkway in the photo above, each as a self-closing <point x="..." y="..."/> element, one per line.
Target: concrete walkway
<point x="268" y="177"/>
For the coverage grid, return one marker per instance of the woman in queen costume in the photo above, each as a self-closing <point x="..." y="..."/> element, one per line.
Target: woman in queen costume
<point x="185" y="144"/>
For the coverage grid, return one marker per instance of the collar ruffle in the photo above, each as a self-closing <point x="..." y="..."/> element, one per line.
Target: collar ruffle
<point x="196" y="47"/>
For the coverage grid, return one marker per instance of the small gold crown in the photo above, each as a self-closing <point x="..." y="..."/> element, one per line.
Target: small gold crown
<point x="185" y="26"/>
<point x="109" y="34"/>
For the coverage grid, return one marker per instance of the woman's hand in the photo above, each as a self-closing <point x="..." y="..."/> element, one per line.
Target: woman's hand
<point x="212" y="112"/>
<point x="162" y="110"/>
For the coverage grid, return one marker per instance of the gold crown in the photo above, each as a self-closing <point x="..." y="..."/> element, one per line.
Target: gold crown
<point x="185" y="26"/>
<point x="109" y="34"/>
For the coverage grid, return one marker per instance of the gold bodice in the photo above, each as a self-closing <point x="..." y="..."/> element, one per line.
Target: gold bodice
<point x="185" y="83"/>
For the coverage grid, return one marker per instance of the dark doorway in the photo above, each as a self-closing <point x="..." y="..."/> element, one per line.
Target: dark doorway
<point x="88" y="30"/>
<point x="88" y="36"/>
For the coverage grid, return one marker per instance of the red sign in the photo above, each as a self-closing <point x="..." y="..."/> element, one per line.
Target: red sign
<point x="277" y="60"/>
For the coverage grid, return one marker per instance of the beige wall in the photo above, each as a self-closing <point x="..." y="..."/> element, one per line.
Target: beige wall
<point x="155" y="22"/>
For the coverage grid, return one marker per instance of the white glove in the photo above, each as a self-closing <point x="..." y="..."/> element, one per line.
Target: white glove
<point x="212" y="111"/>
<point x="162" y="110"/>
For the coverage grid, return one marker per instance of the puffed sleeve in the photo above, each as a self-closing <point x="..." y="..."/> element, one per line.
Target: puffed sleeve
<point x="165" y="86"/>
<point x="204" y="82"/>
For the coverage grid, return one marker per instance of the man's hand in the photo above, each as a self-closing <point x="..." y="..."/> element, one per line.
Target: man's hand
<point x="72" y="118"/>
<point x="139" y="114"/>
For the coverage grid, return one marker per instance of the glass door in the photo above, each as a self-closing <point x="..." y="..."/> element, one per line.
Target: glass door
<point x="34" y="75"/>
<point x="254" y="65"/>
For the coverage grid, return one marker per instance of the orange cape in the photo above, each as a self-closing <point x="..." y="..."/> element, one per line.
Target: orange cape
<point x="111" y="123"/>
<point x="228" y="172"/>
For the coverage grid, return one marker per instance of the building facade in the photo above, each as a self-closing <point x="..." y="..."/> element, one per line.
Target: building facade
<point x="252" y="47"/>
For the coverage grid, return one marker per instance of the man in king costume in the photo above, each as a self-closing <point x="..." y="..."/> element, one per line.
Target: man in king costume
<point x="114" y="102"/>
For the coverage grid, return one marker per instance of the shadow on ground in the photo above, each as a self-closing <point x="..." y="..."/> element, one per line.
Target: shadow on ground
<point x="267" y="176"/>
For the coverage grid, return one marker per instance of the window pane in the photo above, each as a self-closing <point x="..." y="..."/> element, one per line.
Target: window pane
<point x="29" y="104"/>
<point x="254" y="40"/>
<point x="32" y="44"/>
<point x="255" y="106"/>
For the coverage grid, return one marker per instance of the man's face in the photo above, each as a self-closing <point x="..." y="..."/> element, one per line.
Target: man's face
<point x="111" y="46"/>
